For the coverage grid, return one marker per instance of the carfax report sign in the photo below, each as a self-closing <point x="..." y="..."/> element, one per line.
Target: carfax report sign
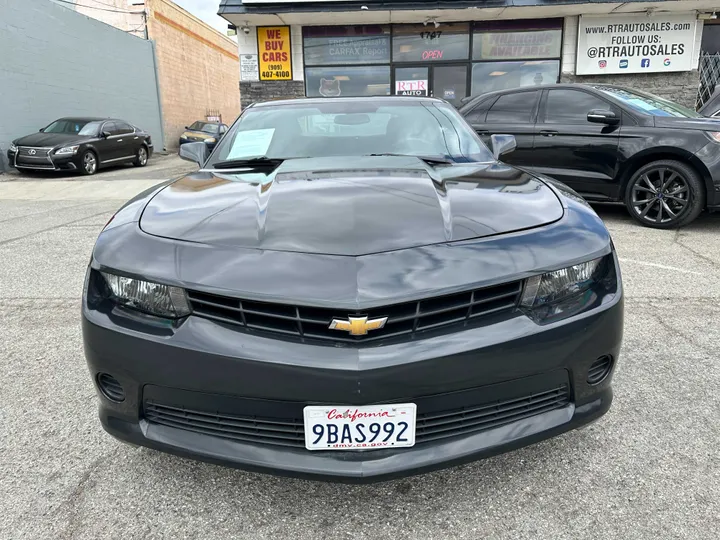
<point x="635" y="43"/>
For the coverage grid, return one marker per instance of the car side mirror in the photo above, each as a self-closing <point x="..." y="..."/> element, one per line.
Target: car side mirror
<point x="187" y="127"/>
<point x="41" y="130"/>
<point x="602" y="116"/>
<point x="105" y="134"/>
<point x="194" y="151"/>
<point x="502" y="144"/>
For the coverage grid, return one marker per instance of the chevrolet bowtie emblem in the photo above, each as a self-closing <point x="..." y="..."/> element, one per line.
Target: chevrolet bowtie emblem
<point x="358" y="326"/>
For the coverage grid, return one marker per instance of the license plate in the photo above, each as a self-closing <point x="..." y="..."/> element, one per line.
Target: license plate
<point x="359" y="428"/>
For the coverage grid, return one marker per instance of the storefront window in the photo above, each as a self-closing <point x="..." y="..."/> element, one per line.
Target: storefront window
<point x="425" y="43"/>
<point x="490" y="76"/>
<point x="346" y="45"/>
<point x="347" y="81"/>
<point x="517" y="45"/>
<point x="512" y="54"/>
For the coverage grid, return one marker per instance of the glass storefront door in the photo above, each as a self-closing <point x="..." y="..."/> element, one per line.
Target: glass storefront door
<point x="448" y="82"/>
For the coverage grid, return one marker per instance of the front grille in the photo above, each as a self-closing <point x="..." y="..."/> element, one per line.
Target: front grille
<point x="39" y="151"/>
<point x="432" y="425"/>
<point x="39" y="160"/>
<point x="403" y="319"/>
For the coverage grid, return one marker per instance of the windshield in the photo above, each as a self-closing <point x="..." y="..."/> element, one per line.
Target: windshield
<point x="649" y="104"/>
<point x="205" y="126"/>
<point x="352" y="128"/>
<point x="73" y="126"/>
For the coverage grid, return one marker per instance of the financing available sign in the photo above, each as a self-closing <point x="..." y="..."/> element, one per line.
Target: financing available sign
<point x="635" y="43"/>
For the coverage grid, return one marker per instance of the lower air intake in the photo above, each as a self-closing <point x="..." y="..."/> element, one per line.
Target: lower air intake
<point x="599" y="369"/>
<point x="111" y="388"/>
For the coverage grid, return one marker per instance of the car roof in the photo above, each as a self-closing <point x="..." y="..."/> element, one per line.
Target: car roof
<point x="370" y="99"/>
<point x="85" y="119"/>
<point x="567" y="86"/>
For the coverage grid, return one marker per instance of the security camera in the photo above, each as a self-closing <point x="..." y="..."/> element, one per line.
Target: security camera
<point x="246" y="29"/>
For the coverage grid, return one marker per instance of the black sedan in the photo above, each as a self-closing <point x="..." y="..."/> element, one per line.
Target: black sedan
<point x="611" y="144"/>
<point x="351" y="289"/>
<point x="81" y="144"/>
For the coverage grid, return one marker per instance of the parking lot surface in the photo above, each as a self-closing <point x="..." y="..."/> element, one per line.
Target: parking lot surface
<point x="648" y="469"/>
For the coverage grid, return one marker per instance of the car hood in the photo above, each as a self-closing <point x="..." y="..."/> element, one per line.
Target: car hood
<point x="197" y="134"/>
<point x="48" y="139"/>
<point x="350" y="206"/>
<point x="700" y="124"/>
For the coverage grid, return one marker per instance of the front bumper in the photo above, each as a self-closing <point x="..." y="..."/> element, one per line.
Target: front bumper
<point x="202" y="365"/>
<point x="184" y="140"/>
<point x="49" y="162"/>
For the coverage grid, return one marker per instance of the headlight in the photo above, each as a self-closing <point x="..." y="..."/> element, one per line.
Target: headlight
<point x="68" y="150"/>
<point x="13" y="148"/>
<point x="714" y="135"/>
<point x="153" y="298"/>
<point x="183" y="136"/>
<point x="211" y="140"/>
<point x="555" y="295"/>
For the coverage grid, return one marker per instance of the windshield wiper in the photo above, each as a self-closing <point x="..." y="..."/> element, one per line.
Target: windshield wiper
<point x="426" y="159"/>
<point x="256" y="161"/>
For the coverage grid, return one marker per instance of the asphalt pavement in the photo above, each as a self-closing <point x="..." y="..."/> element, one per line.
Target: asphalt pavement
<point x="648" y="469"/>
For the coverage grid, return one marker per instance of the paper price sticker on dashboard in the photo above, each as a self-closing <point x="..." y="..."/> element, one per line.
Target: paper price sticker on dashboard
<point x="254" y="142"/>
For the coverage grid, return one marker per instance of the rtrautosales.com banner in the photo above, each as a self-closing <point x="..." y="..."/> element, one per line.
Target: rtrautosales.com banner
<point x="631" y="43"/>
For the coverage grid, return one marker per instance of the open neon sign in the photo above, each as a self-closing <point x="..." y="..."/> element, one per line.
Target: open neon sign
<point x="435" y="54"/>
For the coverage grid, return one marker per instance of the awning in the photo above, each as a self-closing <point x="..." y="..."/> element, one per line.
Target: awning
<point x="333" y="12"/>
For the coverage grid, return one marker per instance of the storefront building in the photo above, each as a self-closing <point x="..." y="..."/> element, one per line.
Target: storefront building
<point x="328" y="48"/>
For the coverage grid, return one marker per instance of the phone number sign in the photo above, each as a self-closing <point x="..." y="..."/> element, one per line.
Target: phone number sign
<point x="274" y="53"/>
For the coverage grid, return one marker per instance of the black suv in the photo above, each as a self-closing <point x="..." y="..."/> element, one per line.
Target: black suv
<point x="610" y="144"/>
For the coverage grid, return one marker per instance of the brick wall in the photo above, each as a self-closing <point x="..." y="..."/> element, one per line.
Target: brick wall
<point x="118" y="13"/>
<point x="680" y="87"/>
<point x="198" y="68"/>
<point x="268" y="90"/>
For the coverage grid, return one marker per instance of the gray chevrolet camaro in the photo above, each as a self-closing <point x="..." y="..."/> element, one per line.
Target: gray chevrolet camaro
<point x="351" y="289"/>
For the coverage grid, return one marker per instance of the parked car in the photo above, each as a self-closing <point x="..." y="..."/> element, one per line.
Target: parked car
<point x="208" y="132"/>
<point x="378" y="300"/>
<point x="81" y="144"/>
<point x="610" y="144"/>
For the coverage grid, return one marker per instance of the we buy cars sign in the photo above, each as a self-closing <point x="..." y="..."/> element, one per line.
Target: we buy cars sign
<point x="635" y="43"/>
<point x="274" y="53"/>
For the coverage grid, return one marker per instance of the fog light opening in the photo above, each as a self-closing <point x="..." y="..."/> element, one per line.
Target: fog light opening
<point x="600" y="369"/>
<point x="110" y="387"/>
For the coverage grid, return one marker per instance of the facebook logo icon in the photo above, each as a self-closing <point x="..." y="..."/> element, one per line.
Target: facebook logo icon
<point x="645" y="62"/>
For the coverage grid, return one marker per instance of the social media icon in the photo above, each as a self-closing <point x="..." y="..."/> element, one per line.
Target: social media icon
<point x="602" y="64"/>
<point x="623" y="63"/>
<point x="666" y="62"/>
<point x="645" y="62"/>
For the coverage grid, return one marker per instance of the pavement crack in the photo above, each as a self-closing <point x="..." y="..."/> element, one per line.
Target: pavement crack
<point x="70" y="504"/>
<point x="711" y="351"/>
<point x="676" y="240"/>
<point x="3" y="242"/>
<point x="32" y="214"/>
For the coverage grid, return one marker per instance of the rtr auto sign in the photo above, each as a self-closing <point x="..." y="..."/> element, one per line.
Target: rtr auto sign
<point x="635" y="43"/>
